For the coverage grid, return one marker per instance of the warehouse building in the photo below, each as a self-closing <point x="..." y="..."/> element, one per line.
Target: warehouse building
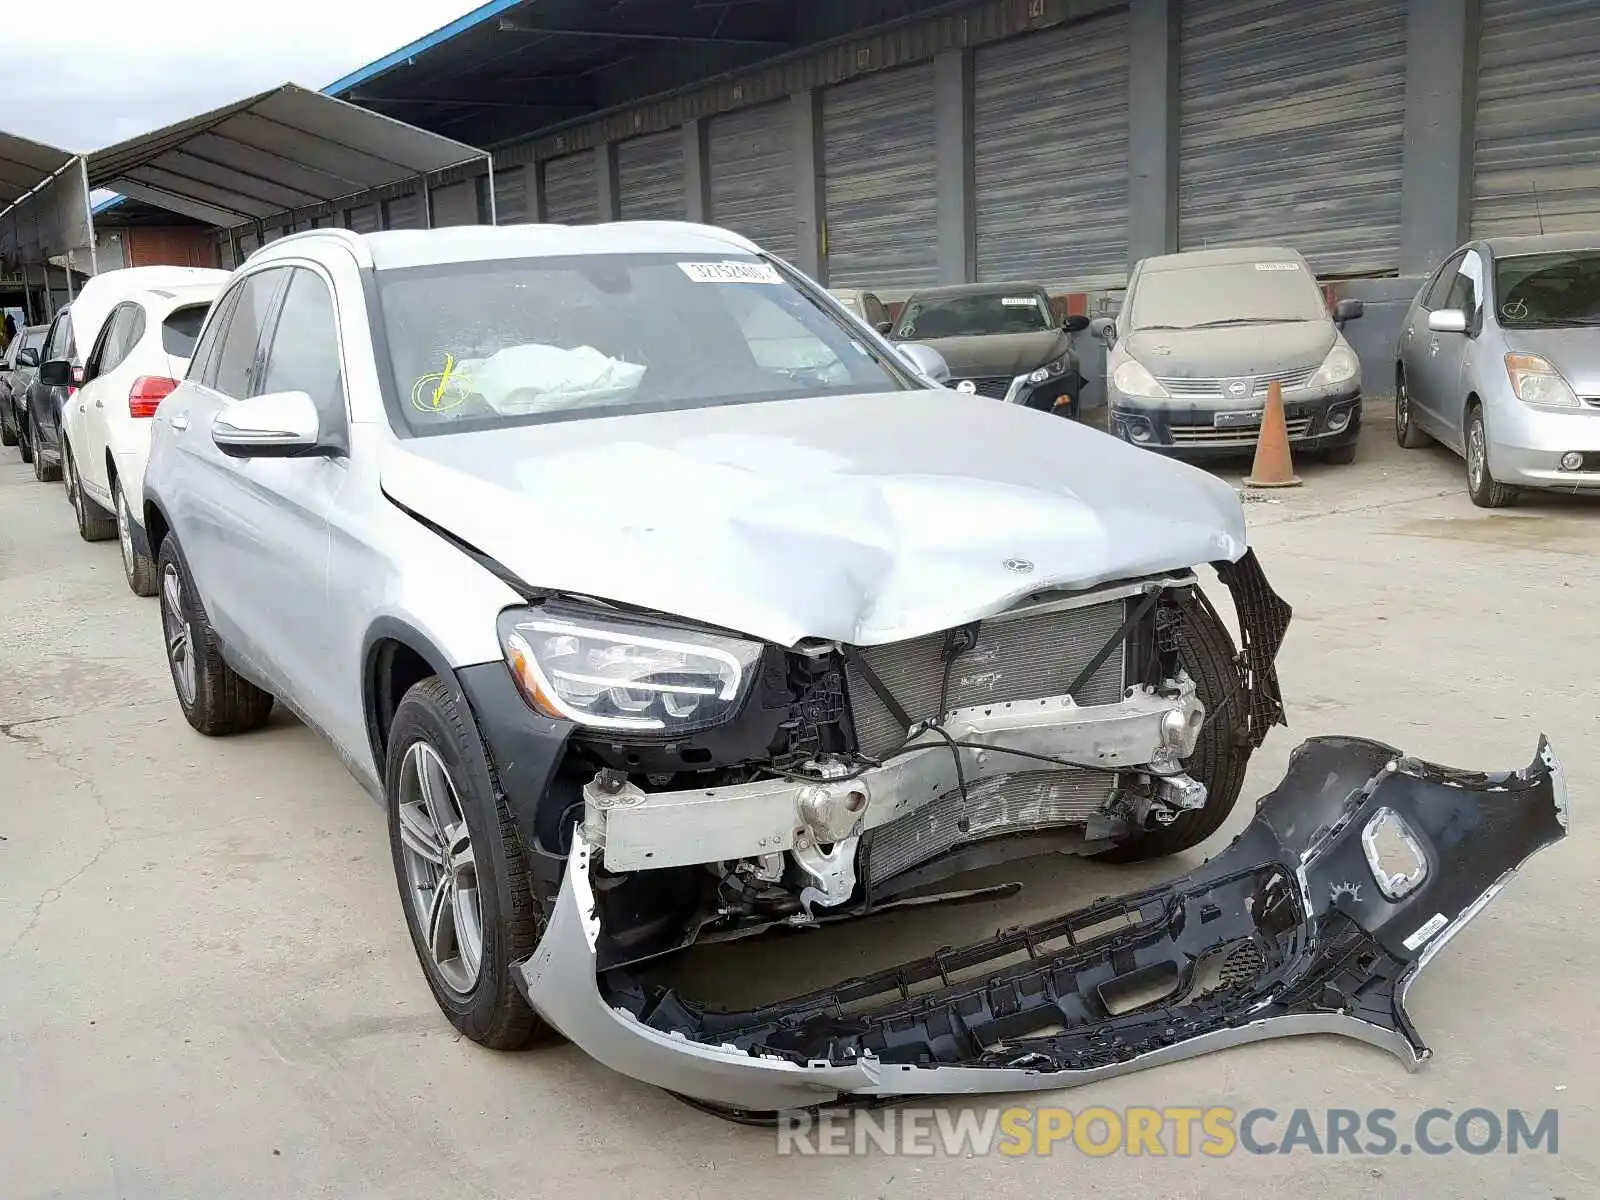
<point x="891" y="144"/>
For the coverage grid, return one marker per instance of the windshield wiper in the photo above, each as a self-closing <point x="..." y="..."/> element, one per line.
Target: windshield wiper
<point x="1249" y="321"/>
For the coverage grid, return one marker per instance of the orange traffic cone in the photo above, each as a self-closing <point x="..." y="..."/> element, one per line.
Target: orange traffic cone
<point x="1273" y="466"/>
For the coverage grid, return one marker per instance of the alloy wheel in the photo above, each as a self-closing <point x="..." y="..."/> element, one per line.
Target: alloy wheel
<point x="441" y="873"/>
<point x="1402" y="410"/>
<point x="124" y="532"/>
<point x="180" y="636"/>
<point x="1477" y="453"/>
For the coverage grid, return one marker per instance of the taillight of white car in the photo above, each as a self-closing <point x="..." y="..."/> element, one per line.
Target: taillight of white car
<point x="147" y="393"/>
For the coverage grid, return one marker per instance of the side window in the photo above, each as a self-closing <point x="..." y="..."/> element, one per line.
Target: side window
<point x="1466" y="289"/>
<point x="304" y="355"/>
<point x="1439" y="289"/>
<point x="57" y="340"/>
<point x="202" y="365"/>
<point x="236" y="357"/>
<point x="103" y="353"/>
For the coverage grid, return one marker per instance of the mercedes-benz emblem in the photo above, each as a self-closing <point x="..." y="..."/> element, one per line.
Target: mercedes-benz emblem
<point x="967" y="387"/>
<point x="1019" y="566"/>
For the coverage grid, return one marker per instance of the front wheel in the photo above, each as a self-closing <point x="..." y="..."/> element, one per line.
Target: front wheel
<point x="464" y="884"/>
<point x="24" y="444"/>
<point x="44" y="472"/>
<point x="94" y="523"/>
<point x="137" y="568"/>
<point x="1405" y="424"/>
<point x="1223" y="750"/>
<point x="1486" y="491"/>
<point x="8" y="426"/>
<point x="1340" y="456"/>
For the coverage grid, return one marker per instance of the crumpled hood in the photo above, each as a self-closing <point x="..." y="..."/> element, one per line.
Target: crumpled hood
<point x="862" y="519"/>
<point x="1233" y="350"/>
<point x="999" y="354"/>
<point x="1573" y="352"/>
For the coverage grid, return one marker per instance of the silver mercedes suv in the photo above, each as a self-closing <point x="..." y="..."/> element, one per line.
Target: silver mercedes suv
<point x="660" y="601"/>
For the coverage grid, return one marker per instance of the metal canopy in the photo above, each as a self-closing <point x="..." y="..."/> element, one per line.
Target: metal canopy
<point x="284" y="149"/>
<point x="24" y="165"/>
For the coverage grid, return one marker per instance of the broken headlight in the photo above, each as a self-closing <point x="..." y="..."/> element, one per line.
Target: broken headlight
<point x="626" y="675"/>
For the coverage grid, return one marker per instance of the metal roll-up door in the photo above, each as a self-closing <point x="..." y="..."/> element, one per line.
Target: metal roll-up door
<point x="405" y="212"/>
<point x="572" y="190"/>
<point x="1050" y="160"/>
<point x="364" y="219"/>
<point x="511" y="196"/>
<point x="650" y="178"/>
<point x="1291" y="128"/>
<point x="882" y="180"/>
<point x="455" y="204"/>
<point x="1536" y="159"/>
<point x="752" y="176"/>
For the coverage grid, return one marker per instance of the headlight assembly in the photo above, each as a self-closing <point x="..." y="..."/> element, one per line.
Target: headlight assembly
<point x="1049" y="371"/>
<point x="1132" y="379"/>
<point x="626" y="675"/>
<point x="1340" y="366"/>
<point x="1536" y="381"/>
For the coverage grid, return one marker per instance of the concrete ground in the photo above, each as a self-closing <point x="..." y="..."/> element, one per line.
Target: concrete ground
<point x="206" y="989"/>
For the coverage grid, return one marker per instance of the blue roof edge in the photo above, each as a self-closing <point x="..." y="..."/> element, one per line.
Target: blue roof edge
<point x="423" y="44"/>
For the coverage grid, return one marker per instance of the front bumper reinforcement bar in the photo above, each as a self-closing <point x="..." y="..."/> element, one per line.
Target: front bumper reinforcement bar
<point x="1356" y="870"/>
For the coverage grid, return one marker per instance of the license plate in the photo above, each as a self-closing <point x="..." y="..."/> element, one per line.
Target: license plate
<point x="1236" y="420"/>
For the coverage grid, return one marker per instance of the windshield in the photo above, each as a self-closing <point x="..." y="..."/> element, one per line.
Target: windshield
<point x="975" y="315"/>
<point x="1241" y="293"/>
<point x="515" y="342"/>
<point x="1544" y="290"/>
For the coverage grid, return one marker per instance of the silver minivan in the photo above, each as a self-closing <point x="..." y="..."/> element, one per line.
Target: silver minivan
<point x="1202" y="334"/>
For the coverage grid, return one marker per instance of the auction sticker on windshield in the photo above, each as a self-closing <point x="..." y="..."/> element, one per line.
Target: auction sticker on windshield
<point x="1020" y="301"/>
<point x="731" y="272"/>
<point x="1277" y="266"/>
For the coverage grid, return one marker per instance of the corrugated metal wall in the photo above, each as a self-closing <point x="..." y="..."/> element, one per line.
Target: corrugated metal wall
<point x="455" y="204"/>
<point x="1537" y="153"/>
<point x="364" y="219"/>
<point x="511" y="196"/>
<point x="650" y="177"/>
<point x="405" y="212"/>
<point x="752" y="176"/>
<point x="1291" y="128"/>
<point x="572" y="190"/>
<point x="881" y="180"/>
<point x="1050" y="123"/>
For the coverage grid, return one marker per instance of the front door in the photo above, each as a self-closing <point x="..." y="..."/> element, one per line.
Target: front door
<point x="1443" y="354"/>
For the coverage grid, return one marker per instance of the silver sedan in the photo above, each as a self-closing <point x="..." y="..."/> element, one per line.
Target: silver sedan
<point x="1499" y="359"/>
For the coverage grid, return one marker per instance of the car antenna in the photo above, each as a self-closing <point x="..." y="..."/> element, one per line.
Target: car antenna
<point x="1537" y="211"/>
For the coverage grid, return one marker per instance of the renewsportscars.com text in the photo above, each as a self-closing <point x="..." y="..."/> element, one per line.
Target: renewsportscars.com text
<point x="1212" y="1132"/>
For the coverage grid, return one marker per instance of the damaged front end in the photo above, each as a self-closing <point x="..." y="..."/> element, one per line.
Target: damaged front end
<point x="1355" y="871"/>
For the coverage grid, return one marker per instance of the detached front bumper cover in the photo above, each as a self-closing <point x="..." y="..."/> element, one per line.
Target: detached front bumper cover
<point x="1356" y="870"/>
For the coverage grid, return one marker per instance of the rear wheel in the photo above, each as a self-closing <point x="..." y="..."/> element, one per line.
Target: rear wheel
<point x="1223" y="750"/>
<point x="464" y="883"/>
<point x="1486" y="491"/>
<point x="137" y="568"/>
<point x="94" y="523"/>
<point x="8" y="425"/>
<point x="215" y="699"/>
<point x="24" y="444"/>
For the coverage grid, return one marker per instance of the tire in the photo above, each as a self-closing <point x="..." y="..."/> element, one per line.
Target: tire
<point x="42" y="471"/>
<point x="215" y="699"/>
<point x="137" y="568"/>
<point x="433" y="733"/>
<point x="1486" y="491"/>
<point x="1340" y="456"/>
<point x="1405" y="429"/>
<point x="25" y="445"/>
<point x="95" y="524"/>
<point x="1221" y="755"/>
<point x="8" y="428"/>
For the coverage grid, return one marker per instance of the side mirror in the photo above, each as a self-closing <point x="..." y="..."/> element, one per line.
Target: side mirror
<point x="1103" y="329"/>
<point x="925" y="361"/>
<point x="883" y="327"/>
<point x="1447" y="320"/>
<point x="57" y="373"/>
<point x="1075" y="324"/>
<point x="277" y="425"/>
<point x="1348" y="310"/>
<point x="27" y="357"/>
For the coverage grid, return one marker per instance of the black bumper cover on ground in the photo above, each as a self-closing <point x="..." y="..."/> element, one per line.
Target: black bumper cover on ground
<point x="1285" y="932"/>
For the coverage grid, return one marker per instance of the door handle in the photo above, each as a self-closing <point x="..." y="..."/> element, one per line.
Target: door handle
<point x="180" y="421"/>
<point x="99" y="403"/>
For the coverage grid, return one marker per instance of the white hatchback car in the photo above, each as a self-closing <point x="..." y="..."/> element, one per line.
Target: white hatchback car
<point x="141" y="353"/>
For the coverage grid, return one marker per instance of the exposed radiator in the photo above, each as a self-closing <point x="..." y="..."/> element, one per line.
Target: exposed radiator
<point x="1023" y="658"/>
<point x="1003" y="804"/>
